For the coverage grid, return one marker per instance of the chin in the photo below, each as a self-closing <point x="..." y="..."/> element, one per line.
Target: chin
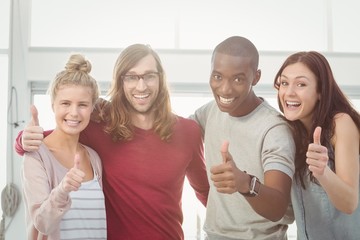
<point x="291" y="118"/>
<point x="223" y="109"/>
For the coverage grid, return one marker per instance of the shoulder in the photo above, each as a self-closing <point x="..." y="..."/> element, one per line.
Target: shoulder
<point x="344" y="122"/>
<point x="206" y="107"/>
<point x="188" y="128"/>
<point x="41" y="154"/>
<point x="266" y="107"/>
<point x="345" y="125"/>
<point x="90" y="150"/>
<point x="42" y="158"/>
<point x="94" y="157"/>
<point x="343" y="118"/>
<point x="269" y="116"/>
<point x="186" y="123"/>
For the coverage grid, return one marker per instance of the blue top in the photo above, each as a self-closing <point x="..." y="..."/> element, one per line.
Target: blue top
<point x="318" y="219"/>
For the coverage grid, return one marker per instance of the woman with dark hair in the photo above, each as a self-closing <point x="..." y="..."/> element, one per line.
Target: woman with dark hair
<point x="326" y="129"/>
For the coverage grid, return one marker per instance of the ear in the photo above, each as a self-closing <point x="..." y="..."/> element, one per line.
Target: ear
<point x="256" y="77"/>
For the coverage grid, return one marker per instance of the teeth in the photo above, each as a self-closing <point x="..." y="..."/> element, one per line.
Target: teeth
<point x="72" y="121"/>
<point x="141" y="96"/>
<point x="293" y="103"/>
<point x="226" y="100"/>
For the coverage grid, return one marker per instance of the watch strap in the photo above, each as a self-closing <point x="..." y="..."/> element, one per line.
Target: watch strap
<point x="254" y="186"/>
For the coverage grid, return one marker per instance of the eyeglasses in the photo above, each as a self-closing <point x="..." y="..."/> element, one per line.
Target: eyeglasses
<point x="133" y="79"/>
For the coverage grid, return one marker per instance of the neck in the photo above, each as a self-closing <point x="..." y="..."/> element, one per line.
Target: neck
<point x="143" y="121"/>
<point x="65" y="142"/>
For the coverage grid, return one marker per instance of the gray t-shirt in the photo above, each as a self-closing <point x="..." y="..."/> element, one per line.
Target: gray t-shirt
<point x="259" y="141"/>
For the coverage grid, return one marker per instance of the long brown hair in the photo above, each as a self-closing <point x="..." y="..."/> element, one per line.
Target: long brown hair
<point x="332" y="101"/>
<point x="119" y="122"/>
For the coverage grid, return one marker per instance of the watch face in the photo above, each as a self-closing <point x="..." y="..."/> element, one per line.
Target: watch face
<point x="253" y="188"/>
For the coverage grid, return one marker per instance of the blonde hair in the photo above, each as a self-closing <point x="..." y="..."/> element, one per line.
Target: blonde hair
<point x="76" y="73"/>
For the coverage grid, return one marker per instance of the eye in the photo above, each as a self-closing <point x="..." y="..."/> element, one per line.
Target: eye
<point x="150" y="76"/>
<point x="130" y="77"/>
<point x="300" y="84"/>
<point x="216" y="77"/>
<point x="83" y="105"/>
<point x="283" y="82"/>
<point x="239" y="79"/>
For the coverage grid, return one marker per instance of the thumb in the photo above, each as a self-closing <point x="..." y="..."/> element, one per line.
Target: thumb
<point x="34" y="116"/>
<point x="317" y="135"/>
<point x="225" y="151"/>
<point x="77" y="161"/>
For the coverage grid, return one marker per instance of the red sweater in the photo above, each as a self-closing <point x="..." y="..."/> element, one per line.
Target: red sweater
<point x="143" y="179"/>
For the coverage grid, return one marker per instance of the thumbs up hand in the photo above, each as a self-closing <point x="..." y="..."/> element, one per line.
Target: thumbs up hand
<point x="32" y="135"/>
<point x="226" y="177"/>
<point x="317" y="155"/>
<point x="74" y="177"/>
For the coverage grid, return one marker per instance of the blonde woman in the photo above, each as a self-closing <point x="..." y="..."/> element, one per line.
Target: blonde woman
<point x="62" y="180"/>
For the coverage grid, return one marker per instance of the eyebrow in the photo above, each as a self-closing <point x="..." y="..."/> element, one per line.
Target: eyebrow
<point x="145" y="72"/>
<point x="297" y="77"/>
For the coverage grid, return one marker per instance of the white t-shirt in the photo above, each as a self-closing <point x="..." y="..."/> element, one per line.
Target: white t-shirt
<point x="86" y="219"/>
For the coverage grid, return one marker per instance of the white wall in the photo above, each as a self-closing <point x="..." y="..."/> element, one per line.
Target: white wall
<point x="268" y="23"/>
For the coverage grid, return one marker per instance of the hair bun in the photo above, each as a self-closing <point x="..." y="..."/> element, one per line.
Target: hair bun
<point x="77" y="62"/>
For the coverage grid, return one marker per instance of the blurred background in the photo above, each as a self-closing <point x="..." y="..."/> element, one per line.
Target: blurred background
<point x="37" y="36"/>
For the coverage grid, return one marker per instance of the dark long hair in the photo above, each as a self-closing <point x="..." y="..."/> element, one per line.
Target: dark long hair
<point x="332" y="101"/>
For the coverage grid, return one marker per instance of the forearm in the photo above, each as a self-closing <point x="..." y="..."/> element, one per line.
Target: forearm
<point x="269" y="203"/>
<point x="46" y="205"/>
<point x="343" y="196"/>
<point x="47" y="215"/>
<point x="273" y="196"/>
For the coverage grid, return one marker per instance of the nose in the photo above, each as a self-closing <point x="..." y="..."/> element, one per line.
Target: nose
<point x="141" y="85"/>
<point x="225" y="87"/>
<point x="73" y="110"/>
<point x="289" y="90"/>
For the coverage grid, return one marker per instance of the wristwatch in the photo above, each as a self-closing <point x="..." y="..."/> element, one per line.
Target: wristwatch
<point x="254" y="187"/>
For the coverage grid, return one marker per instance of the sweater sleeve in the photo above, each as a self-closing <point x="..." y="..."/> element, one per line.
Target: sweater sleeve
<point x="45" y="205"/>
<point x="196" y="171"/>
<point x="18" y="144"/>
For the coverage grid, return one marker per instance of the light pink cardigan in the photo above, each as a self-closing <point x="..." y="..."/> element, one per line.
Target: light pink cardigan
<point x="45" y="201"/>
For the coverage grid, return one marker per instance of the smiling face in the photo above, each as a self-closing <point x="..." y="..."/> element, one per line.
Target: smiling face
<point x="231" y="81"/>
<point x="72" y="107"/>
<point x="298" y="93"/>
<point x="142" y="94"/>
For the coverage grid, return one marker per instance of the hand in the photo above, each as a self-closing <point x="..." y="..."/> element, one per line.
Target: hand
<point x="317" y="155"/>
<point x="32" y="135"/>
<point x="227" y="178"/>
<point x="74" y="177"/>
<point x="100" y="110"/>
